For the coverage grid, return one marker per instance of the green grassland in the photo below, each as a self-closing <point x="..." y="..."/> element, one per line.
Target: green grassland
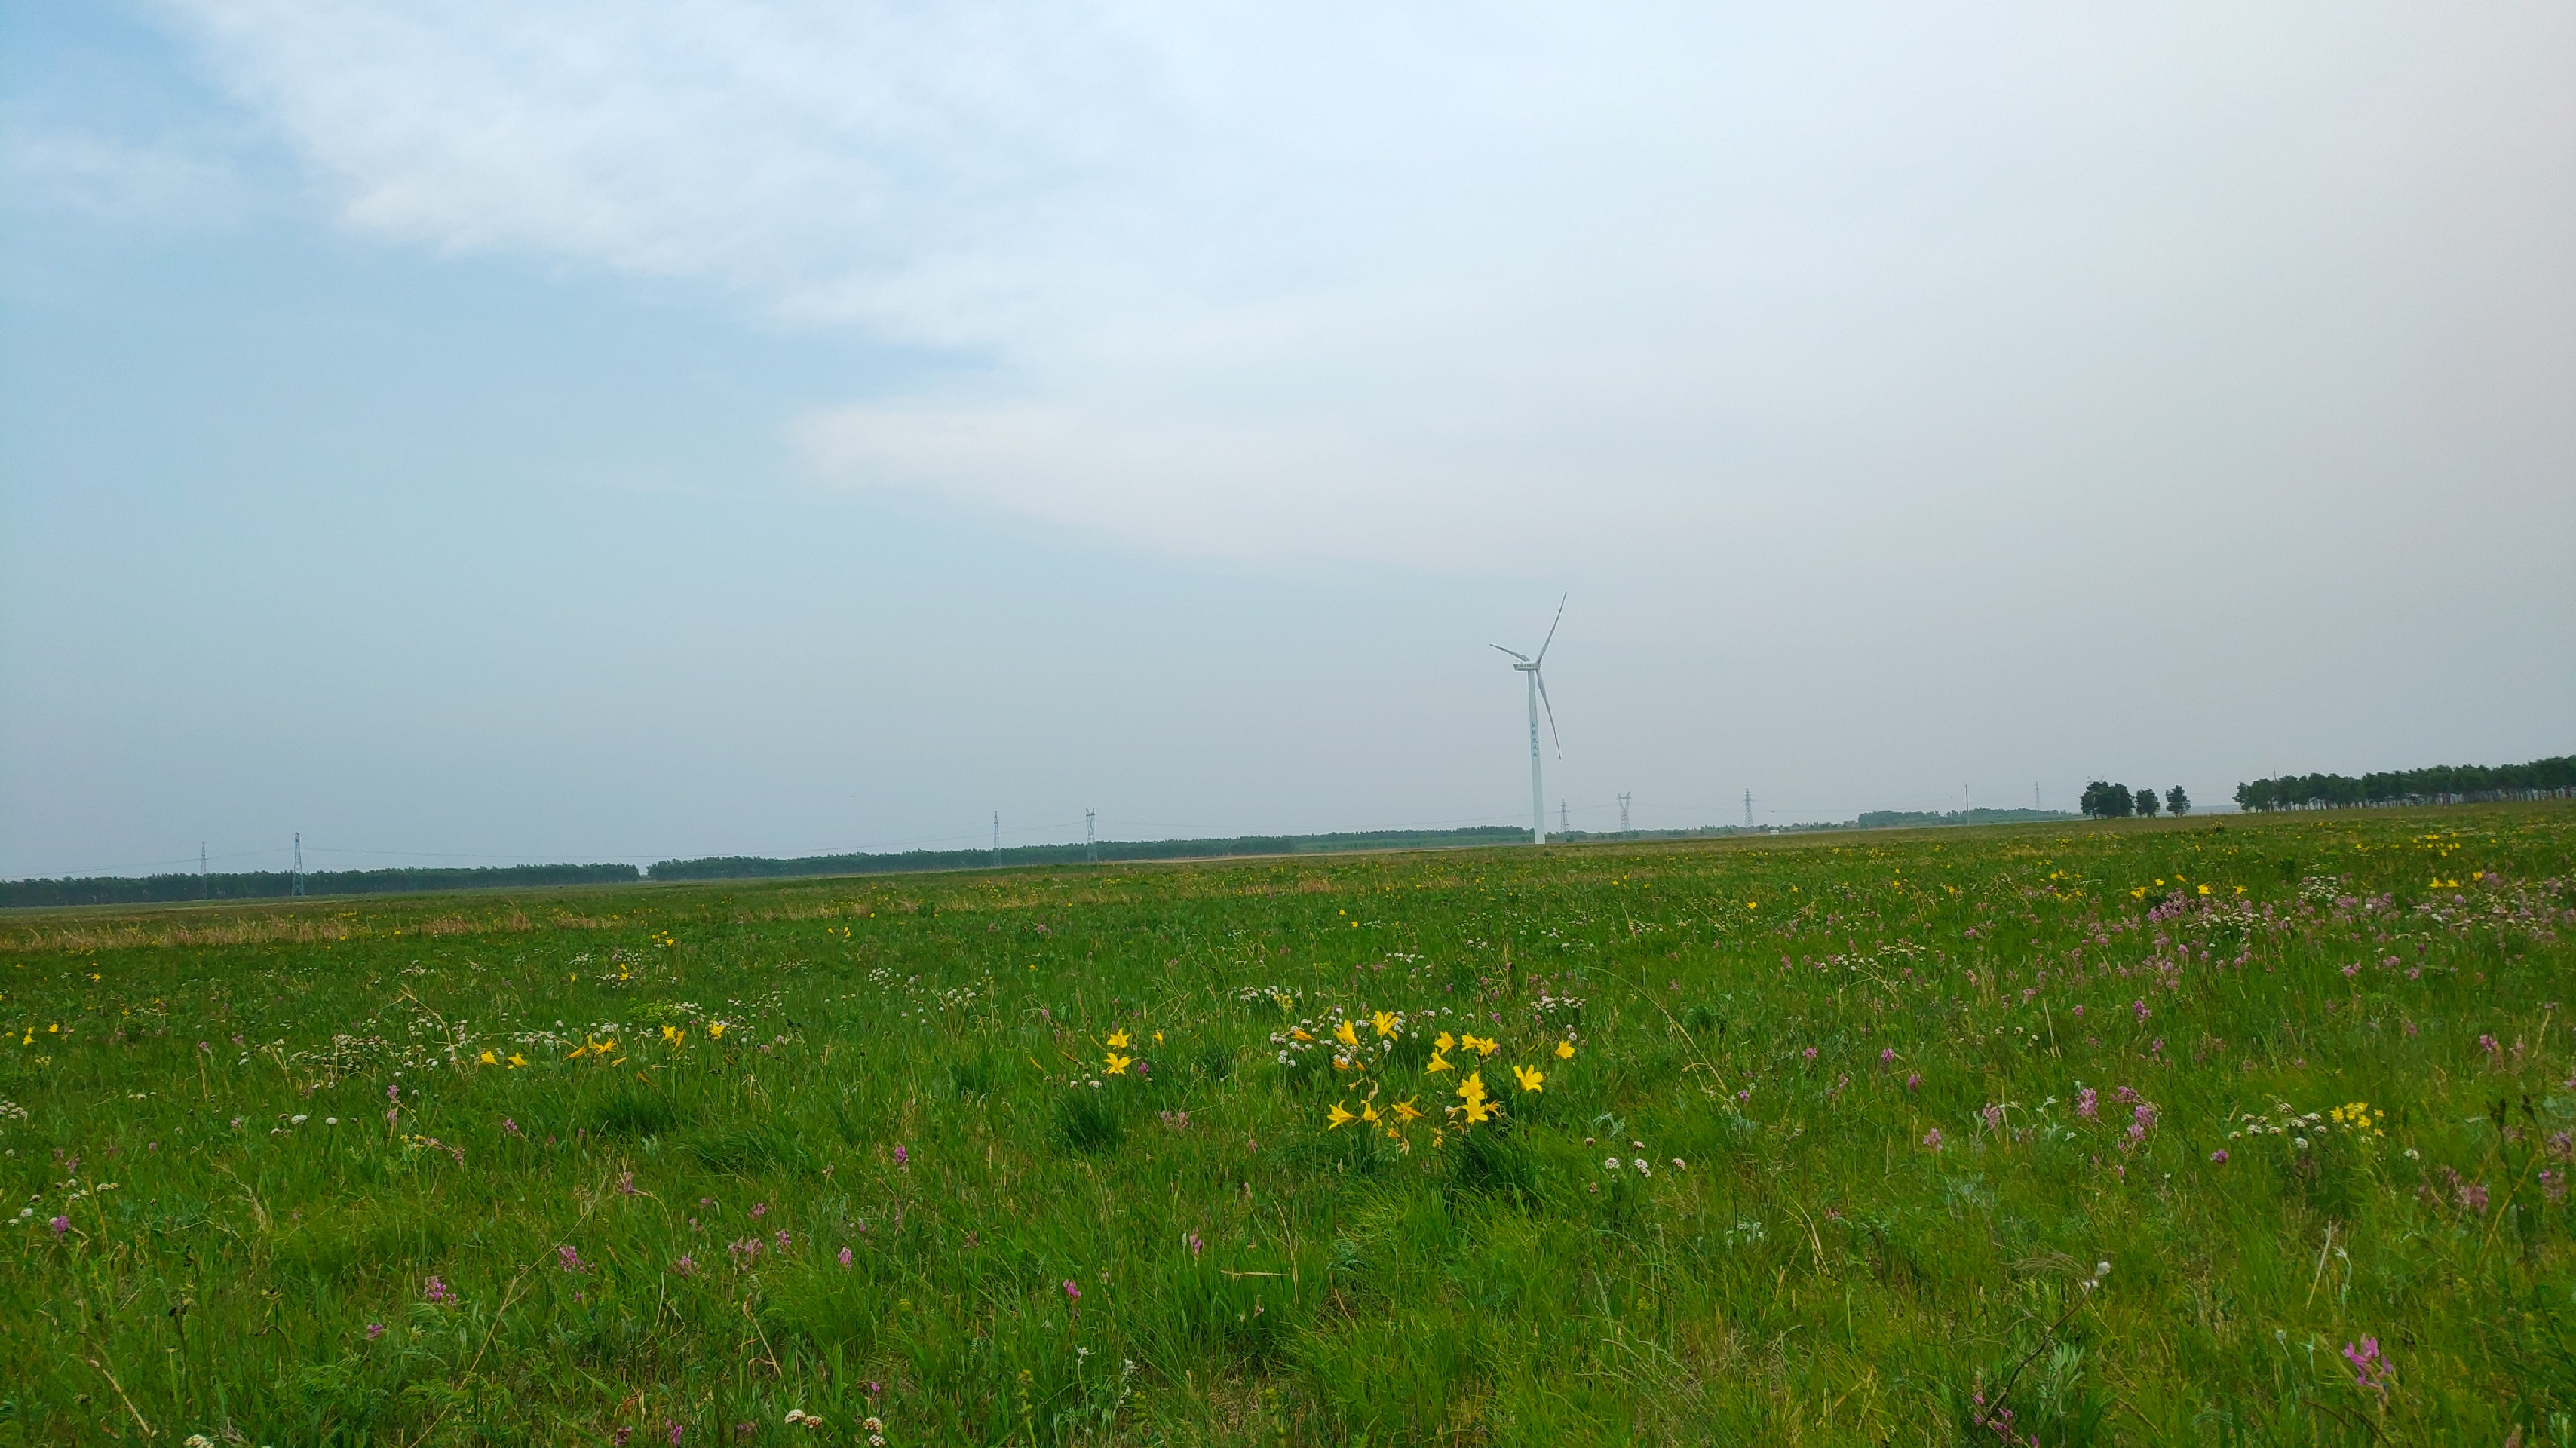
<point x="1831" y="1141"/>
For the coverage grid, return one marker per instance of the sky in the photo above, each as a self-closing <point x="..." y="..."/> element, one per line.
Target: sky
<point x="501" y="432"/>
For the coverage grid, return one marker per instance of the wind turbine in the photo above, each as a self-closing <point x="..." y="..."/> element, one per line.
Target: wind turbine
<point x="1538" y="694"/>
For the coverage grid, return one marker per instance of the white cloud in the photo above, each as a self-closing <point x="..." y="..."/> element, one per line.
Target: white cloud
<point x="119" y="180"/>
<point x="1462" y="283"/>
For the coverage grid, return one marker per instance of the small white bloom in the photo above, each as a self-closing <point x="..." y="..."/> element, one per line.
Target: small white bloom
<point x="1642" y="1168"/>
<point x="1609" y="1163"/>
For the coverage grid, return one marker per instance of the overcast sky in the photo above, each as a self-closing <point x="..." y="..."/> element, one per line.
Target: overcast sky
<point x="516" y="431"/>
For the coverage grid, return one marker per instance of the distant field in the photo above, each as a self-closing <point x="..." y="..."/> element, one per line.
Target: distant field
<point x="1804" y="1140"/>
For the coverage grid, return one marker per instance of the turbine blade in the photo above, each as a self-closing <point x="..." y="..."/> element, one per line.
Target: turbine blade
<point x="1515" y="653"/>
<point x="1551" y="627"/>
<point x="1551" y="712"/>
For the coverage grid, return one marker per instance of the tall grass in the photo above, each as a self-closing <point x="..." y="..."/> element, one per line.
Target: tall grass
<point x="1834" y="1142"/>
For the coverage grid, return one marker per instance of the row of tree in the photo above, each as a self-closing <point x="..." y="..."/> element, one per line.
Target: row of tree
<point x="280" y="884"/>
<point x="739" y="867"/>
<point x="2441" y="784"/>
<point x="2104" y="800"/>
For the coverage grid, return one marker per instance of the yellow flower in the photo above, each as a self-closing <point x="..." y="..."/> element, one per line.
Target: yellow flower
<point x="1404" y="1110"/>
<point x="517" y="1060"/>
<point x="1158" y="1038"/>
<point x="1437" y="1065"/>
<point x="2204" y="889"/>
<point x="1346" y="1035"/>
<point x="1565" y="1050"/>
<point x="1530" y="1077"/>
<point x="1117" y="1041"/>
<point x="1485" y="1047"/>
<point x="1296" y="1034"/>
<point x="1480" y="1110"/>
<point x="488" y="1060"/>
<point x="1444" y="1041"/>
<point x="715" y="1030"/>
<point x="2139" y="893"/>
<point x="578" y="1052"/>
<point x="1339" y="1118"/>
<point x="1368" y="1112"/>
<point x="1118" y="1064"/>
<point x="1473" y="1088"/>
<point x="1385" y="1022"/>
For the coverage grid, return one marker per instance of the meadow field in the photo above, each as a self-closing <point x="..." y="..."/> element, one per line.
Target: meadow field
<point x="2252" y="1130"/>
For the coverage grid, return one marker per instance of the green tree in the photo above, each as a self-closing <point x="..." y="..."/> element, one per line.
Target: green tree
<point x="2104" y="800"/>
<point x="2146" y="801"/>
<point x="2177" y="802"/>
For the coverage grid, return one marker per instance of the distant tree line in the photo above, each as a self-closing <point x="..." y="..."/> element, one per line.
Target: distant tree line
<point x="2104" y="800"/>
<point x="2441" y="784"/>
<point x="279" y="884"/>
<point x="1886" y="819"/>
<point x="744" y="867"/>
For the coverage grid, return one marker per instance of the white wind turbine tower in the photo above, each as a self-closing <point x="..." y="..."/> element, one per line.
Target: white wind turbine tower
<point x="1537" y="695"/>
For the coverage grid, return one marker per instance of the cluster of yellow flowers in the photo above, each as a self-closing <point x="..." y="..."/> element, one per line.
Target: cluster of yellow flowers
<point x="2358" y="1118"/>
<point x="1118" y="1041"/>
<point x="1476" y="1104"/>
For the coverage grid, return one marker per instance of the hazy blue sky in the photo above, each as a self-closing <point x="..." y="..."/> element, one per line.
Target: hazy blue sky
<point x="508" y="431"/>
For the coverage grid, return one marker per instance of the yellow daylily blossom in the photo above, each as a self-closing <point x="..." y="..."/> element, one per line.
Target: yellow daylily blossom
<point x="487" y="1059"/>
<point x="1338" y="1118"/>
<point x="1405" y="1110"/>
<point x="1438" y="1064"/>
<point x="1384" y="1021"/>
<point x="1368" y="1112"/>
<point x="1117" y="1041"/>
<point x="1294" y="1033"/>
<point x="1118" y="1064"/>
<point x="517" y="1060"/>
<point x="1346" y="1035"/>
<point x="1483" y="1047"/>
<point x="1531" y="1078"/>
<point x="1444" y="1041"/>
<point x="715" y="1030"/>
<point x="1565" y="1050"/>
